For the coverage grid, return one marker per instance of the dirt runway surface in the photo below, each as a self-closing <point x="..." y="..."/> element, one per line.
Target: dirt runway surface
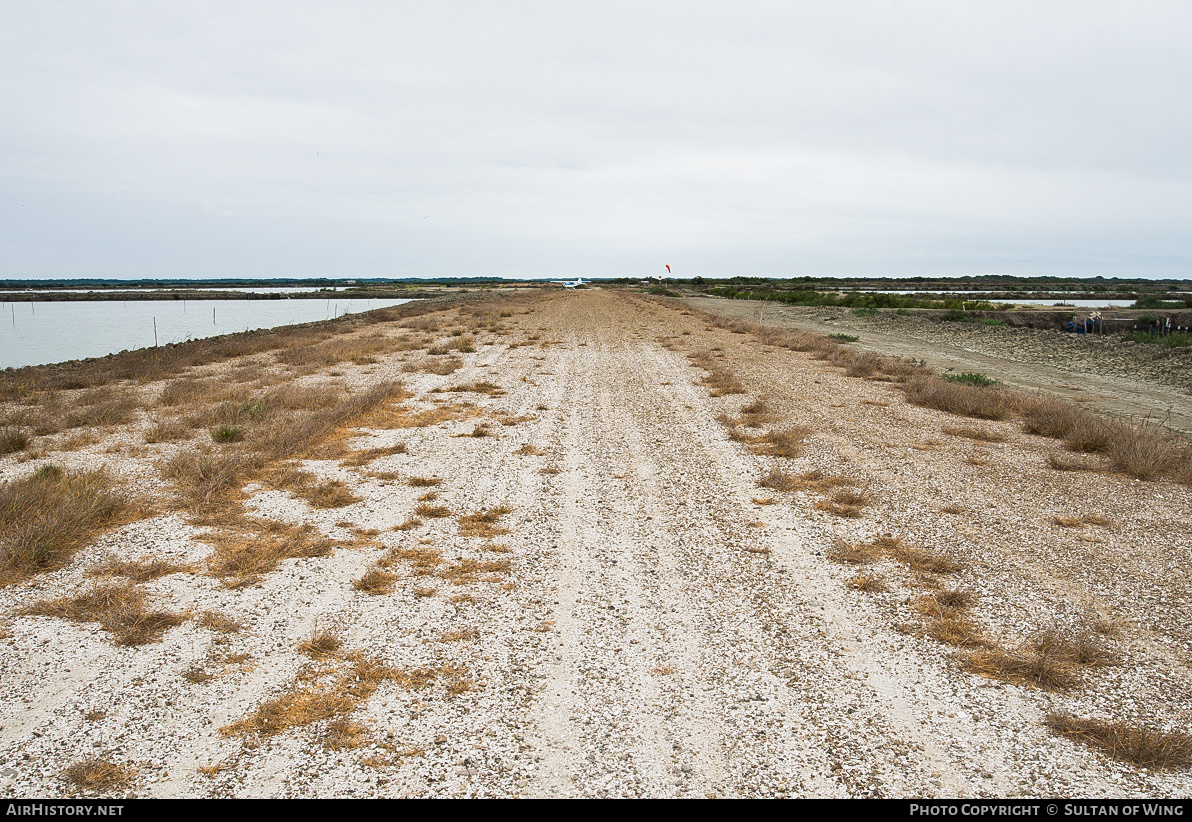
<point x="662" y="625"/>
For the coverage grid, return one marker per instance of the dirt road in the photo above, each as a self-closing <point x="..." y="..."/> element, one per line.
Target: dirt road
<point x="665" y="626"/>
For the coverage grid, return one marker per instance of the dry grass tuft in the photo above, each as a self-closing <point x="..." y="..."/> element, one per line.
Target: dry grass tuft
<point x="981" y="402"/>
<point x="854" y="553"/>
<point x="923" y="561"/>
<point x="167" y="431"/>
<point x="1144" y="747"/>
<point x="365" y="457"/>
<point x="119" y="609"/>
<point x="432" y="511"/>
<point x="98" y="776"/>
<point x="1063" y="463"/>
<point x="215" y="621"/>
<point x="1074" y="648"/>
<point x="719" y="381"/>
<point x="869" y="583"/>
<point x="1076" y="522"/>
<point x="1020" y="668"/>
<point x="333" y="700"/>
<point x="815" y="481"/>
<point x="480" y="387"/>
<point x="787" y="444"/>
<point x="330" y="494"/>
<point x="528" y="450"/>
<point x="845" y="503"/>
<point x="321" y="645"/>
<point x="45" y="518"/>
<point x="973" y="432"/>
<point x="479" y="430"/>
<point x="375" y="582"/>
<point x="242" y="555"/>
<point x="425" y="560"/>
<point x="140" y="570"/>
<point x="423" y="482"/>
<point x="1144" y="452"/>
<point x="13" y="439"/>
<point x="466" y="571"/>
<point x="483" y="523"/>
<point x="343" y="734"/>
<point x="753" y="415"/>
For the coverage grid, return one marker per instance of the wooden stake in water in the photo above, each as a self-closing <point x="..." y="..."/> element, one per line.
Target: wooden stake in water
<point x="213" y="315"/>
<point x="155" y="332"/>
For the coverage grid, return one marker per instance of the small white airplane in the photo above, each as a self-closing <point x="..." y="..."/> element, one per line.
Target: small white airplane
<point x="576" y="283"/>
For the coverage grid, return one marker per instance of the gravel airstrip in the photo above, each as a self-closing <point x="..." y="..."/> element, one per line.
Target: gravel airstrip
<point x="627" y="612"/>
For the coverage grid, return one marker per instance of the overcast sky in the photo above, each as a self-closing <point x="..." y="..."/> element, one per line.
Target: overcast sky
<point x="441" y="138"/>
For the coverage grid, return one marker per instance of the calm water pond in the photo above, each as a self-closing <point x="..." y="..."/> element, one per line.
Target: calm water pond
<point x="39" y="333"/>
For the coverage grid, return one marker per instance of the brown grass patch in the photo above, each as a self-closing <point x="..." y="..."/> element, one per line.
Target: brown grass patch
<point x="139" y="570"/>
<point x="215" y="621"/>
<point x="1020" y="668"/>
<point x="958" y="631"/>
<point x="321" y="645"/>
<point x="432" y="511"/>
<point x="854" y="553"/>
<point x="719" y="381"/>
<point x="1144" y="747"/>
<point x="365" y="457"/>
<point x="425" y="560"/>
<point x="973" y="432"/>
<point x="1072" y="647"/>
<point x="814" y="481"/>
<point x="375" y="582"/>
<point x="13" y="439"/>
<point x="343" y="734"/>
<point x="479" y="430"/>
<point x="119" y="609"/>
<point x="787" y="444"/>
<point x="528" y="450"/>
<point x="45" y="518"/>
<point x="98" y="776"/>
<point x="241" y="556"/>
<point x="423" y="482"/>
<point x="466" y="571"/>
<point x="869" y="583"/>
<point x="982" y="402"/>
<point x="408" y="525"/>
<point x="483" y="523"/>
<point x="330" y="494"/>
<point x="752" y="415"/>
<point x="1063" y="463"/>
<point x="480" y="387"/>
<point x="923" y="561"/>
<point x="845" y="503"/>
<point x="320" y="699"/>
<point x="1076" y="522"/>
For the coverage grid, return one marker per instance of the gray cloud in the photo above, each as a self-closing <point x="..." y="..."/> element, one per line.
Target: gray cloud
<point x="534" y="139"/>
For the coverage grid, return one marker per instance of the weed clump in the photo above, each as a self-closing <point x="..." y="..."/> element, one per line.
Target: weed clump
<point x="1139" y="746"/>
<point x="119" y="609"/>
<point x="46" y="517"/>
<point x="98" y="776"/>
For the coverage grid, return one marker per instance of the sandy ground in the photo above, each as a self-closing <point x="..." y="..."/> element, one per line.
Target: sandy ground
<point x="666" y="627"/>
